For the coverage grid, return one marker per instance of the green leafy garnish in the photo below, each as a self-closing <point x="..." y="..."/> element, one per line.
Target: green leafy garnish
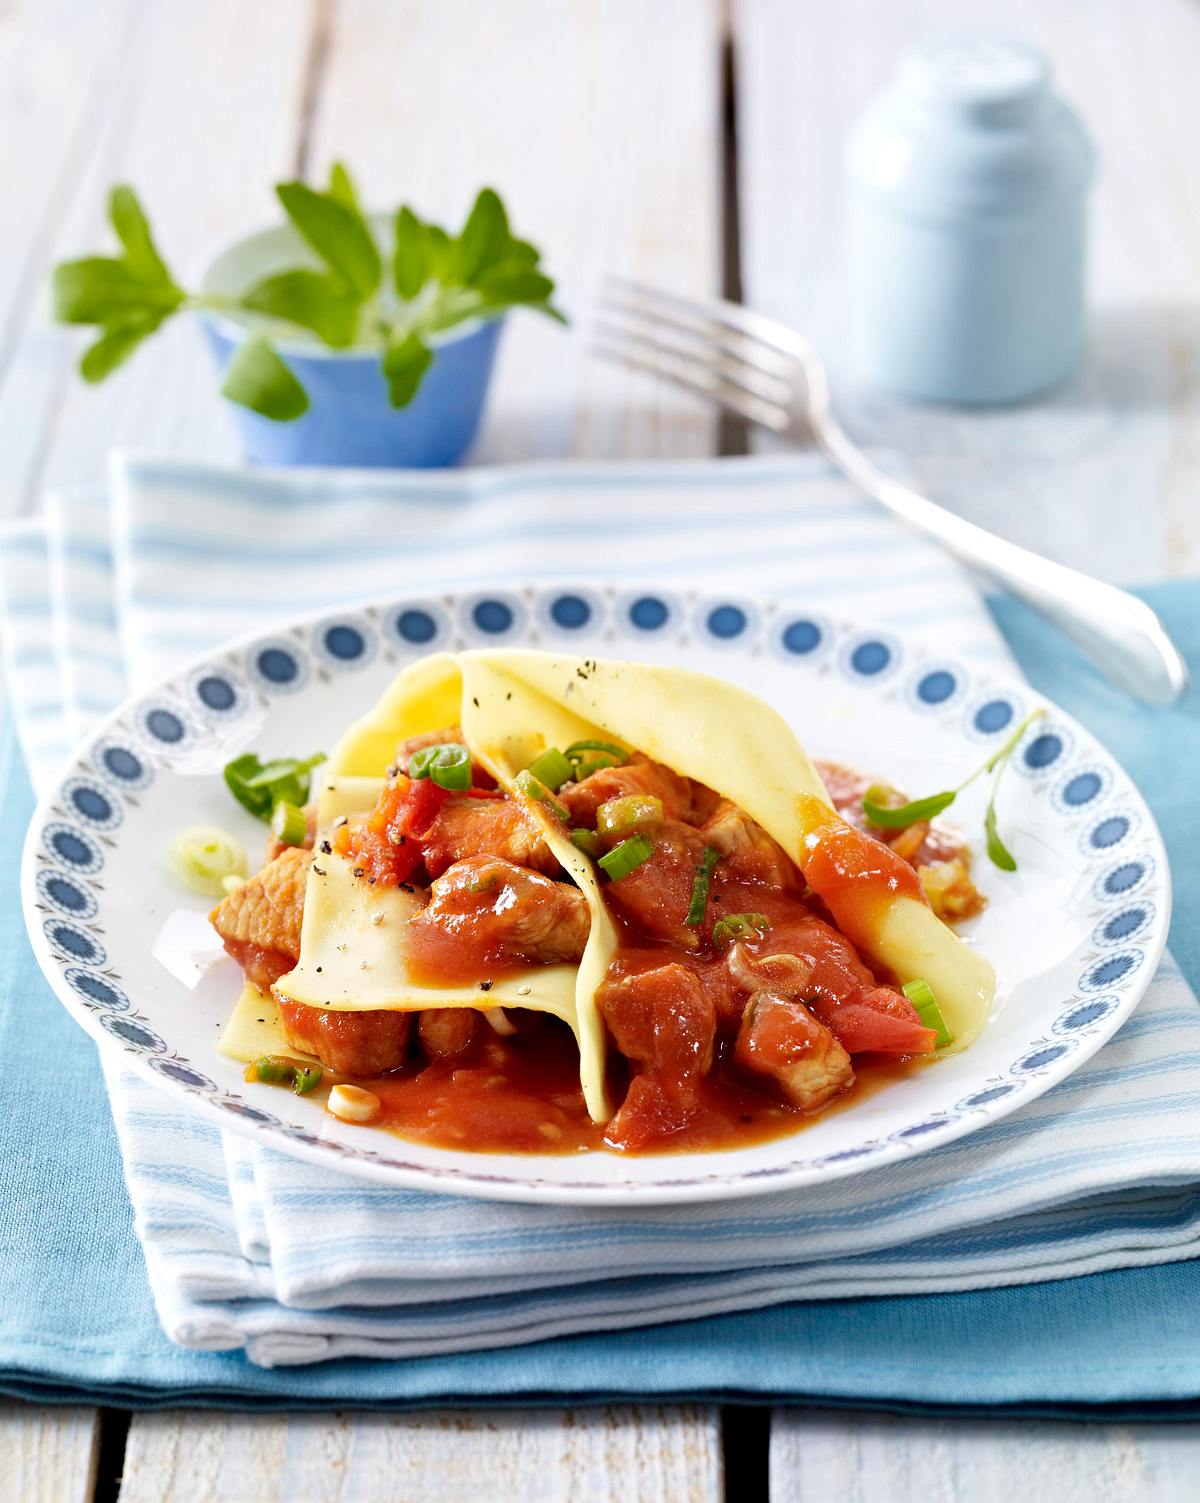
<point x="432" y="282"/>
<point x="257" y="378"/>
<point x="698" y="907"/>
<point x="258" y="786"/>
<point x="900" y="816"/>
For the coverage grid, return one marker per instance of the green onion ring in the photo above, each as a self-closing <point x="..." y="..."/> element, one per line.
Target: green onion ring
<point x="920" y="994"/>
<point x="552" y="768"/>
<point x="626" y="857"/>
<point x="448" y="765"/>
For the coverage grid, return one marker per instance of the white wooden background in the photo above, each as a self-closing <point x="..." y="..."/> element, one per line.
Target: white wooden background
<point x="611" y="127"/>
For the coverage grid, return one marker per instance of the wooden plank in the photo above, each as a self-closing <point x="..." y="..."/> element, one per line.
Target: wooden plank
<point x="822" y="1456"/>
<point x="198" y="109"/>
<point x="1104" y="474"/>
<point x="600" y="125"/>
<point x="48" y="1455"/>
<point x="608" y="1455"/>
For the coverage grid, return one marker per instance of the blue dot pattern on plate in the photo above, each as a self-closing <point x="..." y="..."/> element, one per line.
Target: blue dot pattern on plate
<point x="277" y="666"/>
<point x="1084" y="1015"/>
<point x="417" y="627"/>
<point x="74" y="943"/>
<point x="1124" y="877"/>
<point x="1109" y="972"/>
<point x="726" y="621"/>
<point x="345" y="643"/>
<point x="570" y="612"/>
<point x="184" y="1074"/>
<point x="1082" y="789"/>
<point x="216" y="693"/>
<point x="1038" y="1059"/>
<point x="73" y="847"/>
<point x="988" y="1095"/>
<point x="165" y="726"/>
<point x="1043" y="750"/>
<point x="251" y="1113"/>
<point x="869" y="658"/>
<point x="134" y="1032"/>
<point x="801" y="637"/>
<point x="97" y="989"/>
<point x="90" y="803"/>
<point x="124" y="765"/>
<point x="1110" y="831"/>
<point x="993" y="716"/>
<point x="936" y="687"/>
<point x="492" y="616"/>
<point x="919" y="1129"/>
<point x="1125" y="924"/>
<point x="648" y="613"/>
<point x="67" y="896"/>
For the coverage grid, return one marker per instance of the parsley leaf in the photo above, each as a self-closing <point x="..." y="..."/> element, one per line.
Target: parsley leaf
<point x="412" y="259"/>
<point x="339" y="235"/>
<point x="133" y="231"/>
<point x="257" y="378"/>
<point x="404" y="365"/>
<point x="311" y="299"/>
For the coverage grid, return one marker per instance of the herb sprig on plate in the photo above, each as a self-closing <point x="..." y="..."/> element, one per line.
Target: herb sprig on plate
<point x="355" y="298"/>
<point x="899" y="816"/>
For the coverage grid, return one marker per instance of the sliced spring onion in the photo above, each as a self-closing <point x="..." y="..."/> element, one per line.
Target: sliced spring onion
<point x="920" y="994"/>
<point x="589" y="765"/>
<point x="448" y="765"/>
<point x="626" y="857"/>
<point x="616" y="815"/>
<point x="231" y="883"/>
<point x="204" y="856"/>
<point x="575" y="751"/>
<point x="552" y="768"/>
<point x="289" y="824"/>
<point x="735" y="926"/>
<point x="279" y="1069"/>
<point x="588" y="842"/>
<point x="903" y="815"/>
<point x="533" y="788"/>
<point x="699" y="904"/>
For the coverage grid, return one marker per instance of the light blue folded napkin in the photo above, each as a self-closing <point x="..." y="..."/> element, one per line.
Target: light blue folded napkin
<point x="246" y="1249"/>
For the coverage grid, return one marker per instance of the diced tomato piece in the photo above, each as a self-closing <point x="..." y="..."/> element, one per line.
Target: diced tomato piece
<point x="419" y="807"/>
<point x="883" y="1022"/>
<point x="649" y="1114"/>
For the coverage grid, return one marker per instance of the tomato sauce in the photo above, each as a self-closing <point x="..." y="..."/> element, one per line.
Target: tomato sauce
<point x="522" y="1095"/>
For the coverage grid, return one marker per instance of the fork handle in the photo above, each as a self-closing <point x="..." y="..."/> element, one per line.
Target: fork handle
<point x="1119" y="633"/>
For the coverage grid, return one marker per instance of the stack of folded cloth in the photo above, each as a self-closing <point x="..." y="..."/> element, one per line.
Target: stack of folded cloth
<point x="249" y="1250"/>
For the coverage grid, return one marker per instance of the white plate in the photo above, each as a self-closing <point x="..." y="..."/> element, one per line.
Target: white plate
<point x="1075" y="934"/>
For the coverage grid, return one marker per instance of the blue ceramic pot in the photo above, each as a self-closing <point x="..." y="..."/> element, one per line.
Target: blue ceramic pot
<point x="350" y="420"/>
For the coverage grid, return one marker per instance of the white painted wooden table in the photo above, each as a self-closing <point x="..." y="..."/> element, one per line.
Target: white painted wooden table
<point x="693" y="144"/>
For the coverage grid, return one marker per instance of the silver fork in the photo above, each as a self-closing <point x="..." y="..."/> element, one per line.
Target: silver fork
<point x="770" y="375"/>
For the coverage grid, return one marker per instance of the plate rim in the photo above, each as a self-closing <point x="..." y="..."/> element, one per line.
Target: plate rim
<point x="530" y="1190"/>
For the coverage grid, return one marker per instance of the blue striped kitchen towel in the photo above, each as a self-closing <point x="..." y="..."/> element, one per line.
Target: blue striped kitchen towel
<point x="247" y="1249"/>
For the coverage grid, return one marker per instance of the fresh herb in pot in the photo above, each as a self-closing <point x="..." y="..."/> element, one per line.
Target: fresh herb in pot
<point x="431" y="282"/>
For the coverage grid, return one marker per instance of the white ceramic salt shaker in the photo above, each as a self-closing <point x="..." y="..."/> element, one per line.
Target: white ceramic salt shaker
<point x="967" y="228"/>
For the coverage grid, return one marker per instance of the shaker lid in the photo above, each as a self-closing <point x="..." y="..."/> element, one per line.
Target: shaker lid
<point x="970" y="128"/>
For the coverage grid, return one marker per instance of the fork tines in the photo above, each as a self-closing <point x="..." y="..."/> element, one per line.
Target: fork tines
<point x="745" y="362"/>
